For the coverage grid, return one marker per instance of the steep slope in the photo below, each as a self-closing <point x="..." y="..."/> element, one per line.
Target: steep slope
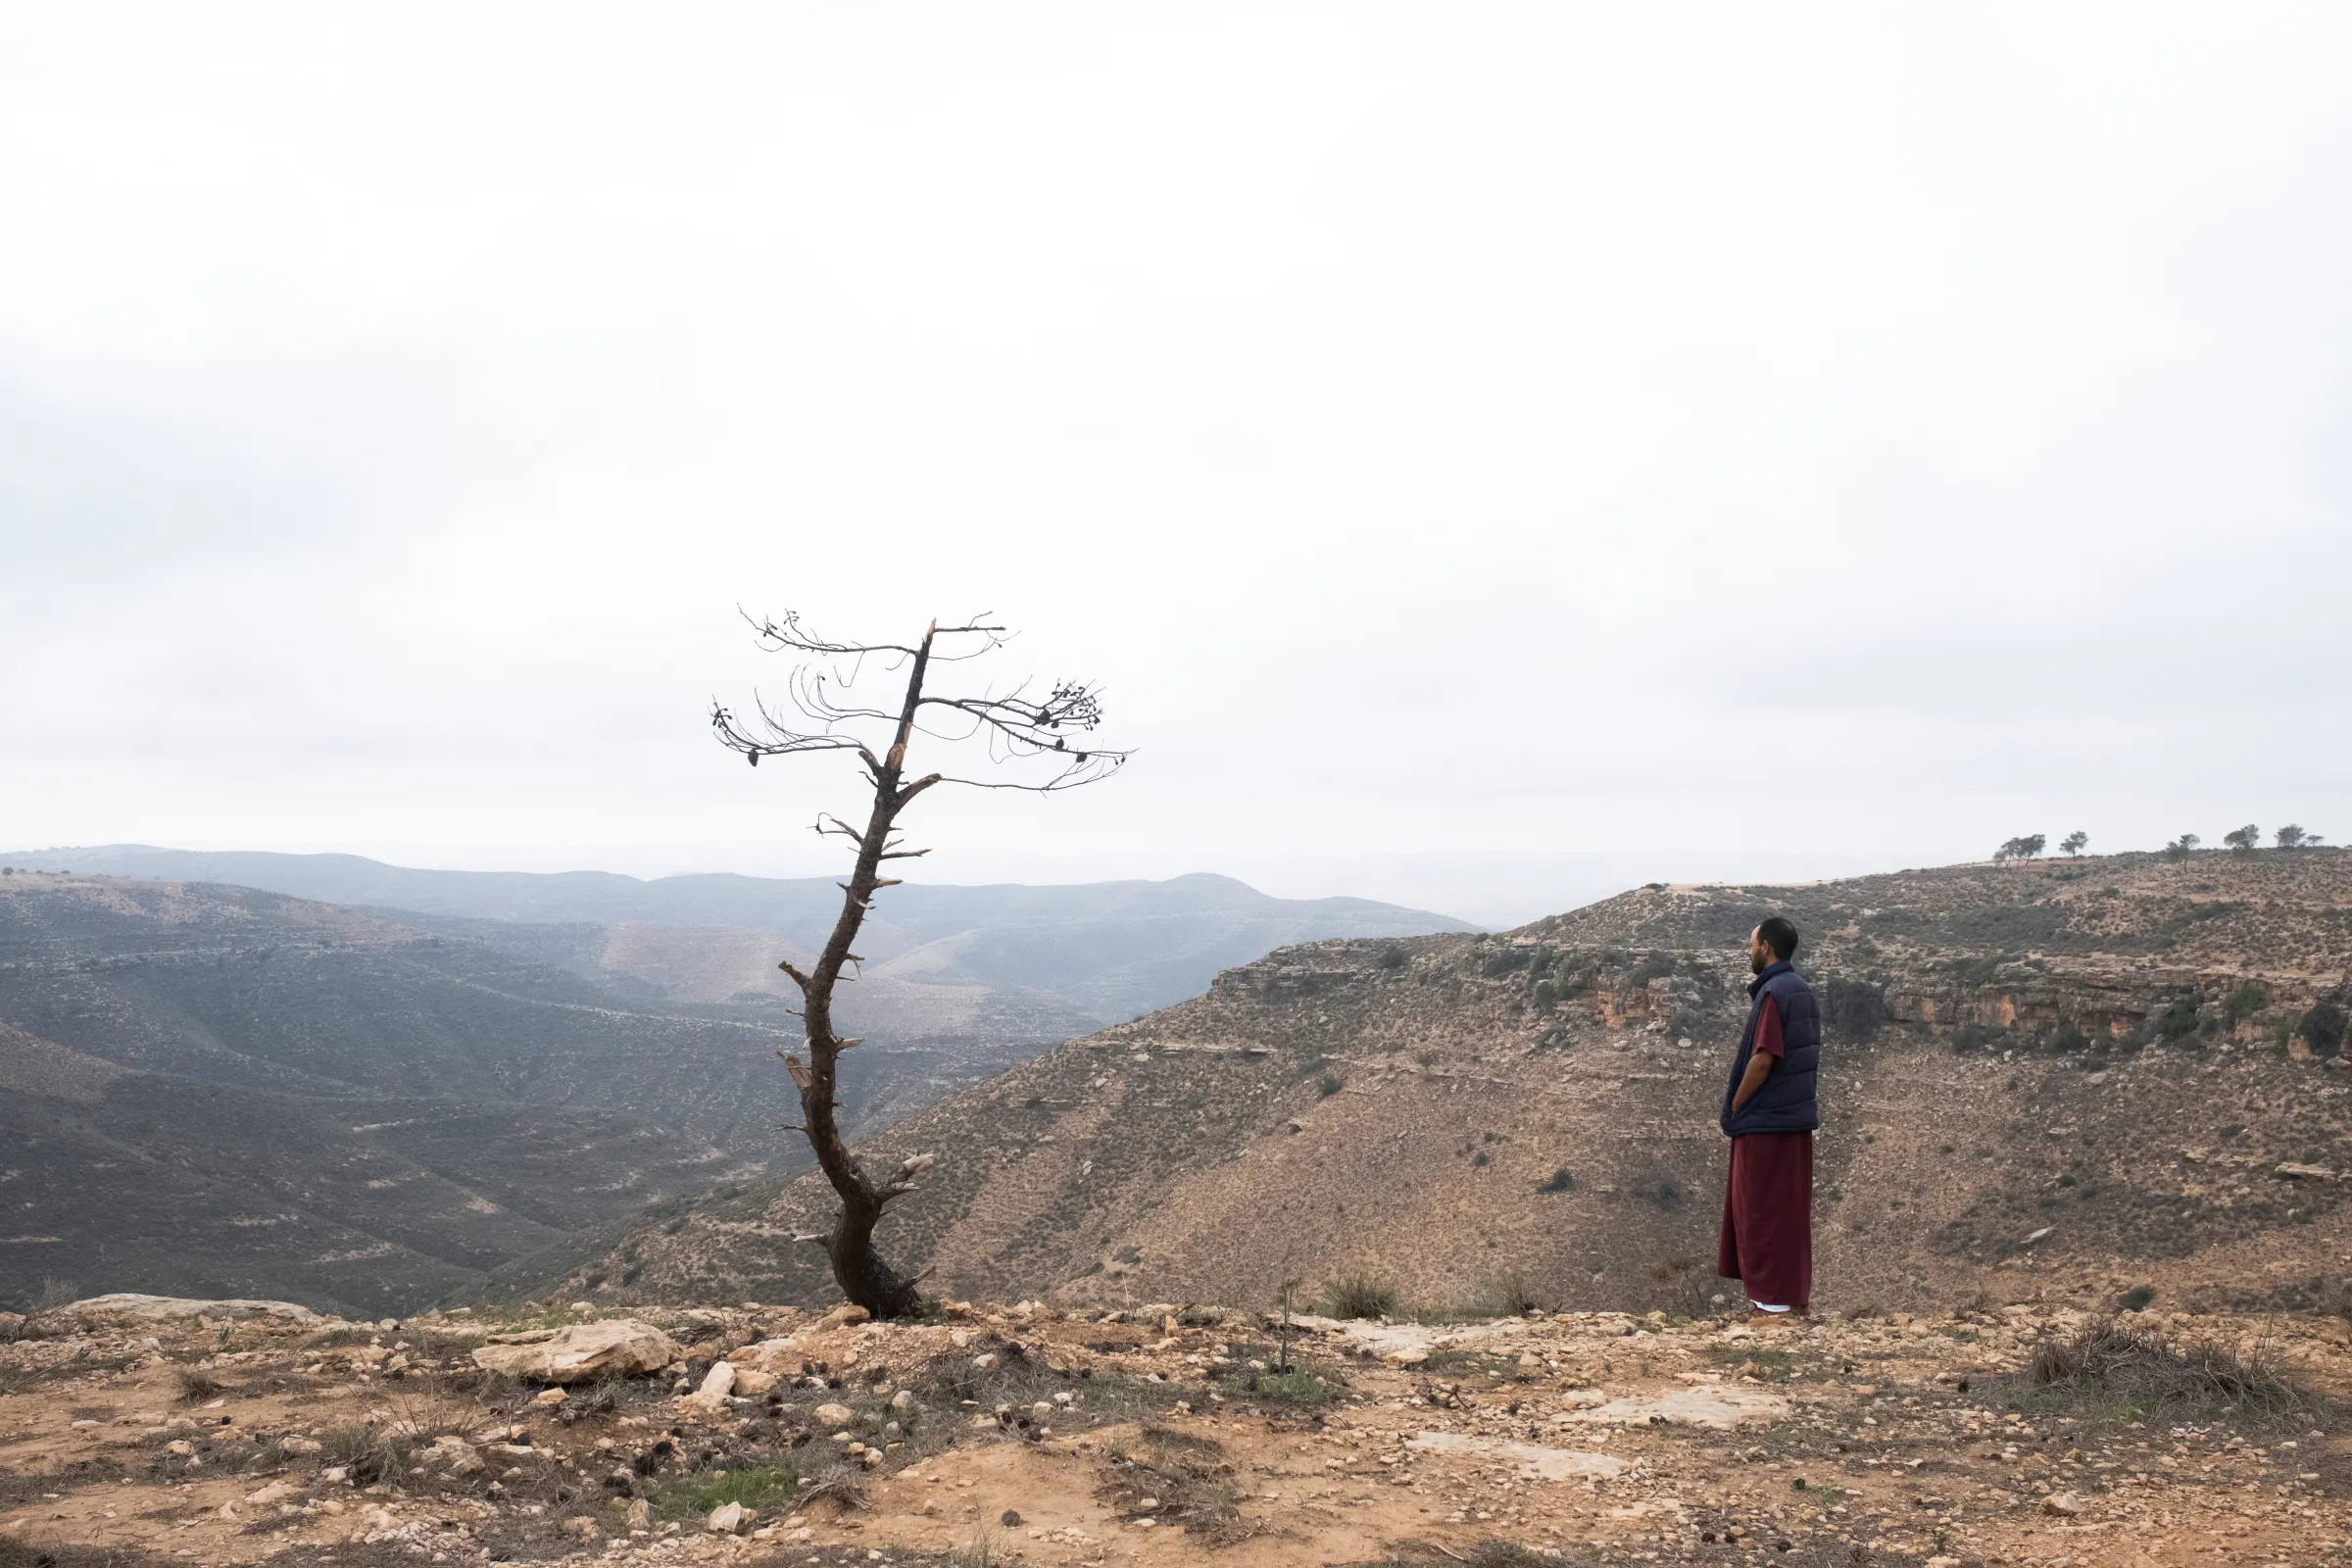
<point x="235" y="1092"/>
<point x="1107" y="949"/>
<point x="2121" y="1068"/>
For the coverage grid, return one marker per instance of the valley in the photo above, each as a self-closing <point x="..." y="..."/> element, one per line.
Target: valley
<point x="225" y="1090"/>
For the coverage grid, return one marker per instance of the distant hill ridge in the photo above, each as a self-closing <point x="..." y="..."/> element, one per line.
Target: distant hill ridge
<point x="1108" y="948"/>
<point x="2122" y="1069"/>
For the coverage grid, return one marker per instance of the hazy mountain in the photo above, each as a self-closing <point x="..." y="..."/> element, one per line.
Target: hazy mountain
<point x="1111" y="949"/>
<point x="2123" y="1068"/>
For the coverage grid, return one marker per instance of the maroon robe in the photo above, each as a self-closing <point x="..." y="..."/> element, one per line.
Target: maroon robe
<point x="1767" y="1242"/>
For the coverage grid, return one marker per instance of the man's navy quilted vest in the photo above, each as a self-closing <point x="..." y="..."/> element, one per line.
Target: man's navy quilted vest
<point x="1783" y="1102"/>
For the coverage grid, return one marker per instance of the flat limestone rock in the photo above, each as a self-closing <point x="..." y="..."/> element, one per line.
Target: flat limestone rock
<point x="1705" y="1405"/>
<point x="1532" y="1460"/>
<point x="176" y="1309"/>
<point x="579" y="1352"/>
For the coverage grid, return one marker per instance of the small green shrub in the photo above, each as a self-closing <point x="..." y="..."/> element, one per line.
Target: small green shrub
<point x="1974" y="1037"/>
<point x="1511" y="1295"/>
<point x="1560" y="1181"/>
<point x="1359" y="1296"/>
<point x="2135" y="1299"/>
<point x="755" y="1488"/>
<point x="1392" y="956"/>
<point x="1295" y="1387"/>
<point x="2322" y="1027"/>
<point x="2243" y="1003"/>
<point x="1655" y="966"/>
<point x="1853" y="1009"/>
<point x="1329" y="1084"/>
<point x="2176" y="1020"/>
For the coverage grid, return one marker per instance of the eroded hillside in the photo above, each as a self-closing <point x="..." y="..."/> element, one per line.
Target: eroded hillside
<point x="221" y="1090"/>
<point x="2095" y="1069"/>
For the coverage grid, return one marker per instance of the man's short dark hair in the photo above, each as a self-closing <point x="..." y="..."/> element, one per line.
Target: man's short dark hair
<point x="1780" y="936"/>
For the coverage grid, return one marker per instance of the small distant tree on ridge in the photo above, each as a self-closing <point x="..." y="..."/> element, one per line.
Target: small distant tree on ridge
<point x="2245" y="840"/>
<point x="2074" y="843"/>
<point x="2025" y="847"/>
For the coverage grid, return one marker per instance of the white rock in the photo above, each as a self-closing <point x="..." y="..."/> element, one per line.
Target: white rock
<point x="904" y="1399"/>
<point x="781" y="1356"/>
<point x="581" y="1352"/>
<point x="299" y="1444"/>
<point x="174" y="1308"/>
<point x="2065" y="1504"/>
<point x="274" y="1491"/>
<point x="833" y="1415"/>
<point x="752" y="1383"/>
<point x="726" y="1518"/>
<point x="718" y="1382"/>
<point x="549" y="1397"/>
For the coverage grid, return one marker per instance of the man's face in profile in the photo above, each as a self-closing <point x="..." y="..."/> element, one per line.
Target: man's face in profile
<point x="1760" y="955"/>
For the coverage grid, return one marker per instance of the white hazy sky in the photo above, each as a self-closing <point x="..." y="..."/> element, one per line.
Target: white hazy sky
<point x="1860" y="431"/>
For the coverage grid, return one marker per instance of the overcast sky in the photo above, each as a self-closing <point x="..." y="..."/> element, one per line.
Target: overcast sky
<point x="1857" y="434"/>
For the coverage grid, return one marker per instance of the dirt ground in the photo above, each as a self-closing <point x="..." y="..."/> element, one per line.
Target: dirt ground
<point x="213" y="1432"/>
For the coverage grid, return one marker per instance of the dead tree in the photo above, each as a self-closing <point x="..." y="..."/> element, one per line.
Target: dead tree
<point x="1038" y="743"/>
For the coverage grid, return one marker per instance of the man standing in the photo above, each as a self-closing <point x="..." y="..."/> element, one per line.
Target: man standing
<point x="1769" y="1115"/>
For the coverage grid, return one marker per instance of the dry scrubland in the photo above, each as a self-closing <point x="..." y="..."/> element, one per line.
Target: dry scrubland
<point x="151" y="1433"/>
<point x="2089" y="1073"/>
<point x="2082" y="1284"/>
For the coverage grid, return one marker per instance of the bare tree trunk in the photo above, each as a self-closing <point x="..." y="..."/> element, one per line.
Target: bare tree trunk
<point x="1019" y="726"/>
<point x="865" y="1278"/>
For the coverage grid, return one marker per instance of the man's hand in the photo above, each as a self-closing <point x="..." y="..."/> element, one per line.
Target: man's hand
<point x="1759" y="1067"/>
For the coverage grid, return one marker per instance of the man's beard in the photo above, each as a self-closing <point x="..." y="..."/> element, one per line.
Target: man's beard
<point x="1757" y="964"/>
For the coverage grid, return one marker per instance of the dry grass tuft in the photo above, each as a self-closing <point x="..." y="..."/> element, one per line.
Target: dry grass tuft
<point x="841" y="1485"/>
<point x="2143" y="1366"/>
<point x="196" y="1387"/>
<point x="1359" y="1296"/>
<point x="1176" y="1477"/>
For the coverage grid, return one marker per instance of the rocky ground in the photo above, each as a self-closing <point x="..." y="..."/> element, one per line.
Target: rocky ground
<point x="140" y="1432"/>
